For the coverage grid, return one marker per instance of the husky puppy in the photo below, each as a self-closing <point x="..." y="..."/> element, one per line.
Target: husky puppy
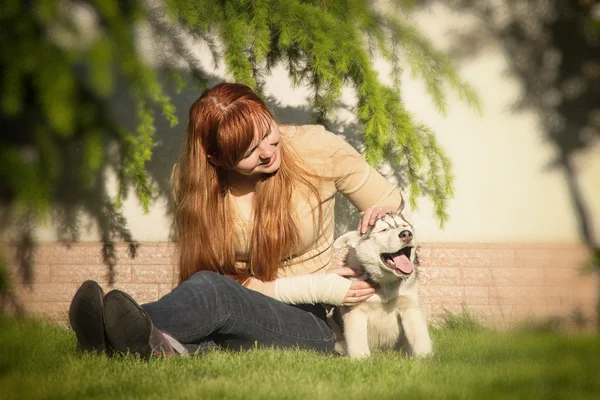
<point x="391" y="318"/>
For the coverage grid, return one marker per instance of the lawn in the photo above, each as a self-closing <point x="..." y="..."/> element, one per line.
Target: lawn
<point x="39" y="361"/>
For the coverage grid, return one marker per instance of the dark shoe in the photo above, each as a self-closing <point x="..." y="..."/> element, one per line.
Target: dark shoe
<point x="87" y="319"/>
<point x="129" y="328"/>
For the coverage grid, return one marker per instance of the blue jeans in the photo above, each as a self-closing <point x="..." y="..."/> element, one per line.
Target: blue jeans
<point x="211" y="310"/>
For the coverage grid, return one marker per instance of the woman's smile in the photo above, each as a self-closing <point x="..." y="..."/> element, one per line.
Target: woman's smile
<point x="270" y="160"/>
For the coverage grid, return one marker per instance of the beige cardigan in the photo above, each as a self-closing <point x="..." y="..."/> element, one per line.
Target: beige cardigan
<point x="344" y="171"/>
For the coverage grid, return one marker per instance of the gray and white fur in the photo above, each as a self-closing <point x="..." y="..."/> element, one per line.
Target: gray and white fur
<point x="392" y="318"/>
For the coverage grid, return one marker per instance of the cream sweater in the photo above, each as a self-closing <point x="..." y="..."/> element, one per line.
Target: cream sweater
<point x="345" y="171"/>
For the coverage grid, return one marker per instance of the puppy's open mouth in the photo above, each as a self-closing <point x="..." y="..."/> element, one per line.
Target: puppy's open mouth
<point x="399" y="263"/>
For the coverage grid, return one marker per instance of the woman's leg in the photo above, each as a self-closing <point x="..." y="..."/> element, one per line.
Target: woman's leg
<point x="210" y="307"/>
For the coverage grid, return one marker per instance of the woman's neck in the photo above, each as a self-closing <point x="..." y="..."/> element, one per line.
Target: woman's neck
<point x="242" y="185"/>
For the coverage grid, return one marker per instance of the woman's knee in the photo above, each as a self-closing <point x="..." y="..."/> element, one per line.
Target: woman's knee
<point x="209" y="281"/>
<point x="204" y="275"/>
<point x="208" y="277"/>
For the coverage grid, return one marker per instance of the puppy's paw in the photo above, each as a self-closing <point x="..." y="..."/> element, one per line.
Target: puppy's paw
<point x="340" y="348"/>
<point x="422" y="355"/>
<point x="423" y="349"/>
<point x="358" y="351"/>
<point x="360" y="355"/>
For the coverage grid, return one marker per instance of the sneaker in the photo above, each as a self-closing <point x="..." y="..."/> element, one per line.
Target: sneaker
<point x="129" y="328"/>
<point x="86" y="315"/>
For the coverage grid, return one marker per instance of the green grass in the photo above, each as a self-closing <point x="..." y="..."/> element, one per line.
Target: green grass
<point x="39" y="361"/>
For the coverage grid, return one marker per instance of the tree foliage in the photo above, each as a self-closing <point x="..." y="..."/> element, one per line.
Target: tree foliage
<point x="57" y="76"/>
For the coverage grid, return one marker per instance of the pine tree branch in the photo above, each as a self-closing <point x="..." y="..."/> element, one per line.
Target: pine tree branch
<point x="56" y="79"/>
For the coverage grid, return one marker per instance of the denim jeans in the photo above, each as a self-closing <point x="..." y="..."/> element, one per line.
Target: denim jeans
<point x="209" y="310"/>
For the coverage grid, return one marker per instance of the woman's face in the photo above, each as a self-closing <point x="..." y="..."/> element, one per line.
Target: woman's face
<point x="264" y="154"/>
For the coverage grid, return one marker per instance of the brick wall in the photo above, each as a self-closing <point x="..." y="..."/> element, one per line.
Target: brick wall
<point x="500" y="284"/>
<point x="504" y="285"/>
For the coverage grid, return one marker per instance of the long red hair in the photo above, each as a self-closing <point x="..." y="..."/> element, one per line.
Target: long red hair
<point x="222" y="124"/>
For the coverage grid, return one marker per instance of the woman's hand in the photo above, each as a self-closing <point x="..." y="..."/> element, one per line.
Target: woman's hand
<point x="359" y="290"/>
<point x="371" y="214"/>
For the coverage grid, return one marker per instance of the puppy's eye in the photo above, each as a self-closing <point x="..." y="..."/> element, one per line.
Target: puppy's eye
<point x="381" y="229"/>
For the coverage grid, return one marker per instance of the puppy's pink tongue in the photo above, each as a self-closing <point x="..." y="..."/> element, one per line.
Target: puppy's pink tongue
<point x="403" y="264"/>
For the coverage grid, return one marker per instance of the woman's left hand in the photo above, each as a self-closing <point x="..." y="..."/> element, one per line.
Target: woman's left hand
<point x="359" y="290"/>
<point x="371" y="214"/>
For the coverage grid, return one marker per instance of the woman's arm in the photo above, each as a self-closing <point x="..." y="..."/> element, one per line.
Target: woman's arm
<point x="370" y="192"/>
<point x="331" y="288"/>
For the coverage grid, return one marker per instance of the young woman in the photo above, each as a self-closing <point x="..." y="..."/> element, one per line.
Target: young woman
<point x="255" y="219"/>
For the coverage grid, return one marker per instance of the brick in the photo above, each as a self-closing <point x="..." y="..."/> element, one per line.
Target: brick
<point x="586" y="287"/>
<point x="9" y="252"/>
<point x="155" y="254"/>
<point x="551" y="257"/>
<point x="499" y="284"/>
<point x="510" y="295"/>
<point x="478" y="276"/>
<point x="476" y="295"/>
<point x="517" y="276"/>
<point x="41" y="274"/>
<point x="558" y="276"/>
<point x="164" y="289"/>
<point x="530" y="311"/>
<point x="562" y="291"/>
<point x="79" y="273"/>
<point x="439" y="276"/>
<point x="558" y="301"/>
<point x="90" y="253"/>
<point x="76" y="254"/>
<point x="148" y="273"/>
<point x="445" y="295"/>
<point x="338" y="256"/>
<point x="435" y="313"/>
<point x="425" y="257"/>
<point x="49" y="292"/>
<point x="587" y="312"/>
<point x="516" y="316"/>
<point x="466" y="257"/>
<point x="486" y="314"/>
<point x="141" y="292"/>
<point x="55" y="311"/>
<point x="501" y="316"/>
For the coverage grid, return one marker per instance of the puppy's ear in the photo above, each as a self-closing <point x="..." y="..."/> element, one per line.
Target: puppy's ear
<point x="407" y="216"/>
<point x="348" y="239"/>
